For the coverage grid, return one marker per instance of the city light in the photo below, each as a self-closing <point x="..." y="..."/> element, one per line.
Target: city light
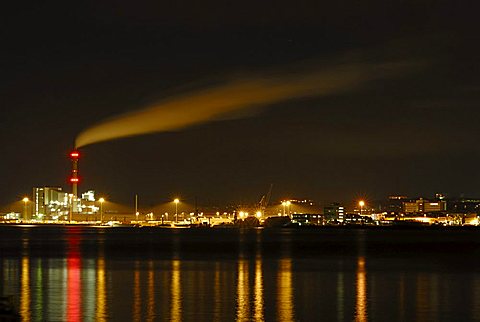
<point x="51" y="204"/>
<point x="101" y="200"/>
<point x="176" y="201"/>
<point x="25" y="209"/>
<point x="286" y="204"/>
<point x="361" y="203"/>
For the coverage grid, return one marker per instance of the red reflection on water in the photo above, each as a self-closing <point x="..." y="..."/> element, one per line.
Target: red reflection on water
<point x="74" y="286"/>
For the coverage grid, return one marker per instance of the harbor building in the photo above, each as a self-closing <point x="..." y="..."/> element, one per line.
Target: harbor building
<point x="423" y="206"/>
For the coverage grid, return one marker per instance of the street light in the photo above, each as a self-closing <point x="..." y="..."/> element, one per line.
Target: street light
<point x="102" y="200"/>
<point x="361" y="203"/>
<point x="176" y="201"/>
<point x="25" y="201"/>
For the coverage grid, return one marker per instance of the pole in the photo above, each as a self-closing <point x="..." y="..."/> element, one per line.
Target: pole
<point x="196" y="208"/>
<point x="176" y="211"/>
<point x="136" y="206"/>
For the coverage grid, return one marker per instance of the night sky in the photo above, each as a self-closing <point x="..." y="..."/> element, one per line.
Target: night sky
<point x="68" y="66"/>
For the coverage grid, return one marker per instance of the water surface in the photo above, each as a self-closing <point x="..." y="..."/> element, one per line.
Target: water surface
<point x="151" y="274"/>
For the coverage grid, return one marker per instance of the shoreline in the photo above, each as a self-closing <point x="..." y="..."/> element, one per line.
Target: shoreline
<point x="393" y="226"/>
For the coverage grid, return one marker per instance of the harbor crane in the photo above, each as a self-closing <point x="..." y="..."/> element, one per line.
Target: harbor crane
<point x="265" y="200"/>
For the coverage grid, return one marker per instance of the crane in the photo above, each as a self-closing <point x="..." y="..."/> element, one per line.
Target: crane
<point x="265" y="200"/>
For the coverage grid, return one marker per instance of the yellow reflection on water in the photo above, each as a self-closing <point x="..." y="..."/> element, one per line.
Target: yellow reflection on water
<point x="176" y="292"/>
<point x="258" y="291"/>
<point x="137" y="299"/>
<point x="476" y="298"/>
<point x="39" y="292"/>
<point x="243" y="304"/>
<point x="217" y="292"/>
<point x="361" y="302"/>
<point x="285" y="291"/>
<point x="401" y="295"/>
<point x="151" y="292"/>
<point x="89" y="285"/>
<point x="340" y="296"/>
<point x="422" y="309"/>
<point x="434" y="296"/>
<point x="25" y="290"/>
<point x="101" y="301"/>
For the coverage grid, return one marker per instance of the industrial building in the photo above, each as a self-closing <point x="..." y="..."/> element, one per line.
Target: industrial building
<point x="423" y="206"/>
<point x="334" y="212"/>
<point x="52" y="203"/>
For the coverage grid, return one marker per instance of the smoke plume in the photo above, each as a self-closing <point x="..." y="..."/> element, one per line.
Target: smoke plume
<point x="236" y="96"/>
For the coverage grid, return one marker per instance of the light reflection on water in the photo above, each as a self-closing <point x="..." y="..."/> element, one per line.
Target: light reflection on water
<point x="151" y="292"/>
<point x="476" y="298"/>
<point x="101" y="307"/>
<point x="176" y="292"/>
<point x="340" y="294"/>
<point x="256" y="277"/>
<point x="25" y="290"/>
<point x="243" y="292"/>
<point x="361" y="295"/>
<point x="285" y="290"/>
<point x="217" y="294"/>
<point x="258" y="290"/>
<point x="74" y="286"/>
<point x="89" y="289"/>
<point x="137" y="298"/>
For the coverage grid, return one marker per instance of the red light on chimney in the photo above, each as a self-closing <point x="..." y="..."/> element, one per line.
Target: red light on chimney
<point x="74" y="180"/>
<point x="74" y="154"/>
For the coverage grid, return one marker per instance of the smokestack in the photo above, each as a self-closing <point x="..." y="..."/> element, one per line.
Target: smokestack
<point x="74" y="156"/>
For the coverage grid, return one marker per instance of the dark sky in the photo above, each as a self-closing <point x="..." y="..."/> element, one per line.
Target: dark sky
<point x="67" y="66"/>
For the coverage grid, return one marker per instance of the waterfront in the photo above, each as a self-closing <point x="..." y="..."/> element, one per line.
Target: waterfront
<point x="75" y="273"/>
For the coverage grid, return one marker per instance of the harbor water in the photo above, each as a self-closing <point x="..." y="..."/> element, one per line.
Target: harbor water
<point x="75" y="273"/>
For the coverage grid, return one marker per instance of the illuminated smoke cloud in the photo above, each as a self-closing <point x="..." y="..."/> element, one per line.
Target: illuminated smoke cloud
<point x="234" y="97"/>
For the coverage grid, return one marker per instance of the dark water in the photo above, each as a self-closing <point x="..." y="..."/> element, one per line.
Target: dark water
<point x="126" y="274"/>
